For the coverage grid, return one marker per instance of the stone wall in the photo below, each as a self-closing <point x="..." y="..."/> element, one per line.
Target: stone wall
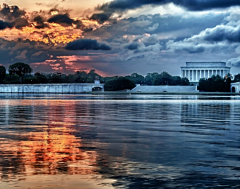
<point x="164" y="88"/>
<point x="49" y="88"/>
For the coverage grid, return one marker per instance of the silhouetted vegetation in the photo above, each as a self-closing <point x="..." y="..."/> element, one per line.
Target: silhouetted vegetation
<point x="215" y="84"/>
<point x="117" y="84"/>
<point x="166" y="79"/>
<point x="158" y="79"/>
<point x="2" y="73"/>
<point x="21" y="73"/>
<point x="237" y="78"/>
<point x="19" y="69"/>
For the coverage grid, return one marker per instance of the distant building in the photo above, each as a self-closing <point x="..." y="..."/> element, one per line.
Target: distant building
<point x="235" y="87"/>
<point x="197" y="70"/>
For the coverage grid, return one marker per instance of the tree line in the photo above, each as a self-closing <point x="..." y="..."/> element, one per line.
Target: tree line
<point x="215" y="84"/>
<point x="22" y="73"/>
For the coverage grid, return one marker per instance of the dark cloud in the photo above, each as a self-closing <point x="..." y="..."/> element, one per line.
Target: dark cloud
<point x="198" y="5"/>
<point x="62" y="19"/>
<point x="221" y="33"/>
<point x="11" y="12"/>
<point x="19" y="23"/>
<point x="168" y="26"/>
<point x="120" y="6"/>
<point x="22" y="50"/>
<point x="4" y="25"/>
<point x="100" y="17"/>
<point x="87" y="44"/>
<point x="193" y="49"/>
<point x="65" y="20"/>
<point x="39" y="22"/>
<point x="14" y="15"/>
<point x="234" y="62"/>
<point x="132" y="46"/>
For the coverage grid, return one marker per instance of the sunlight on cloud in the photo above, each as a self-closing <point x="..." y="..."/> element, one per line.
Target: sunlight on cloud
<point x="168" y="9"/>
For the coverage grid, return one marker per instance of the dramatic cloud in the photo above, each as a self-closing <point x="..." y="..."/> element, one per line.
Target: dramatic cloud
<point x="224" y="37"/>
<point x="39" y="22"/>
<point x="11" y="12"/>
<point x="130" y="35"/>
<point x="221" y="33"/>
<point x="234" y="62"/>
<point x="132" y="46"/>
<point x="87" y="44"/>
<point x="64" y="20"/>
<point x="120" y="6"/>
<point x="100" y="17"/>
<point x="4" y="25"/>
<point x="13" y="15"/>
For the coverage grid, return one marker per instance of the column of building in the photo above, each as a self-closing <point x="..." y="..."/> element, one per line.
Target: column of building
<point x="196" y="74"/>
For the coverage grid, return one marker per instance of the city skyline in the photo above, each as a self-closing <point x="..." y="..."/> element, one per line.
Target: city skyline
<point x="119" y="37"/>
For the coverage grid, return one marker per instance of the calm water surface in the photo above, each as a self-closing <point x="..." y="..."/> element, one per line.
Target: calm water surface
<point x="119" y="141"/>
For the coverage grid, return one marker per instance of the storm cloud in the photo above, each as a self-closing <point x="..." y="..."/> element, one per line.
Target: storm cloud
<point x="123" y="5"/>
<point x="132" y="46"/>
<point x="11" y="12"/>
<point x="221" y="33"/>
<point x="120" y="6"/>
<point x="39" y="22"/>
<point x="100" y="17"/>
<point x="4" y="25"/>
<point x="64" y="20"/>
<point x="234" y="62"/>
<point x="13" y="16"/>
<point x="87" y="44"/>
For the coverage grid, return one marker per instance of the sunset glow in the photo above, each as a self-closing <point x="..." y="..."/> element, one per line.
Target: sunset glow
<point x="141" y="36"/>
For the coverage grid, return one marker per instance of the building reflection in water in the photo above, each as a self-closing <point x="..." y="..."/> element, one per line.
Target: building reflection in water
<point x="208" y="113"/>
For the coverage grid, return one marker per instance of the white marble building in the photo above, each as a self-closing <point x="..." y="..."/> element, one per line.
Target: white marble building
<point x="196" y="70"/>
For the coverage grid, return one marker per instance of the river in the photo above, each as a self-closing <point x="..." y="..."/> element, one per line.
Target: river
<point x="119" y="141"/>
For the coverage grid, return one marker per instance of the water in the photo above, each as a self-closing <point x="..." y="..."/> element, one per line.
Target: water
<point x="119" y="141"/>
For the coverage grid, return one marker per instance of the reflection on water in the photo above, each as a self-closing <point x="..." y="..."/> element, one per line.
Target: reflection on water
<point x="119" y="141"/>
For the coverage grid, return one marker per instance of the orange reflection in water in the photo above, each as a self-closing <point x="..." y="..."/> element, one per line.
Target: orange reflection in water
<point x="52" y="148"/>
<point x="56" y="149"/>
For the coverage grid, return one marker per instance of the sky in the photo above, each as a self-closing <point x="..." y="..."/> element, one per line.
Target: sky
<point x="119" y="37"/>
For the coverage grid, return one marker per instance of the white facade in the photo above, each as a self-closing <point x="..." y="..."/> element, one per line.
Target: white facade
<point x="235" y="87"/>
<point x="197" y="70"/>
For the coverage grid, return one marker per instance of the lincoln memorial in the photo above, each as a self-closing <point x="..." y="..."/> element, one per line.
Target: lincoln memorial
<point x="196" y="70"/>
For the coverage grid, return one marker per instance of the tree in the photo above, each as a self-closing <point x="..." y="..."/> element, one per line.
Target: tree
<point x="185" y="81"/>
<point x="175" y="80"/>
<point x="2" y="73"/>
<point x="163" y="79"/>
<point x="136" y="78"/>
<point x="237" y="78"/>
<point x="117" y="84"/>
<point x="150" y="78"/>
<point x="229" y="76"/>
<point x="92" y="75"/>
<point x="70" y="78"/>
<point x="58" y="78"/>
<point x="20" y="69"/>
<point x="29" y="79"/>
<point x="41" y="78"/>
<point x="80" y="77"/>
<point x="13" y="79"/>
<point x="215" y="84"/>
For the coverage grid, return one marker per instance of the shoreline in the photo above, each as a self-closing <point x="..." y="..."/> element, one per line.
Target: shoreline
<point x="163" y="93"/>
